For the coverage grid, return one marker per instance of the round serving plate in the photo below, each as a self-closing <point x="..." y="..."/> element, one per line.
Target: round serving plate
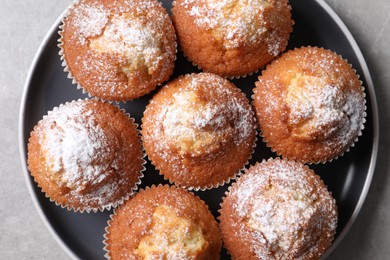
<point x="348" y="178"/>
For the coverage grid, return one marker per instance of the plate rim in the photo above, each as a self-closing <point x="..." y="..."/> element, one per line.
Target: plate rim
<point x="22" y="144"/>
<point x="368" y="87"/>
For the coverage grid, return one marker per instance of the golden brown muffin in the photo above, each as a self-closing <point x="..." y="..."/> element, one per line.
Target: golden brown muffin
<point x="199" y="130"/>
<point x="118" y="50"/>
<point x="310" y="105"/>
<point x="86" y="155"/>
<point x="278" y="209"/>
<point x="163" y="223"/>
<point x="232" y="38"/>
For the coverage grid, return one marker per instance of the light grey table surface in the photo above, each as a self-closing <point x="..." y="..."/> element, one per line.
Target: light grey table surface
<point x="23" y="25"/>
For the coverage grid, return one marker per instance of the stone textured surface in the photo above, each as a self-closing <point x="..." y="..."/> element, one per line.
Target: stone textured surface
<point x="24" y="24"/>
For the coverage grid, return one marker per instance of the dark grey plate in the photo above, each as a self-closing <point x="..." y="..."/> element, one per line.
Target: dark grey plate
<point x="349" y="177"/>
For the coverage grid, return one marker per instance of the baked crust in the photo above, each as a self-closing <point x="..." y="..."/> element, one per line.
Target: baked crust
<point x="118" y="50"/>
<point x="310" y="105"/>
<point x="135" y="221"/>
<point x="278" y="209"/>
<point x="86" y="155"/>
<point x="232" y="38"/>
<point x="199" y="130"/>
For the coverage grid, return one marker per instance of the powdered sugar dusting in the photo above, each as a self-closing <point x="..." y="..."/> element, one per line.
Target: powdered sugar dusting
<point x="243" y="23"/>
<point x="274" y="43"/>
<point x="322" y="111"/>
<point x="353" y="109"/>
<point x="290" y="176"/>
<point x="320" y="106"/>
<point x="285" y="207"/>
<point x="73" y="143"/>
<point x="89" y="20"/>
<point x="236" y="21"/>
<point x="197" y="122"/>
<point x="137" y="41"/>
<point x="78" y="155"/>
<point x="171" y="237"/>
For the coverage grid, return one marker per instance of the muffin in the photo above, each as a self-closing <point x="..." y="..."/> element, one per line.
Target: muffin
<point x="232" y="38"/>
<point x="86" y="155"/>
<point x="118" y="50"/>
<point x="310" y="105"/>
<point x="163" y="223"/>
<point x="278" y="209"/>
<point x="199" y="131"/>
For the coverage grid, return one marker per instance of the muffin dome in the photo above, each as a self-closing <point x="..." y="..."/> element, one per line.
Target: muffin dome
<point x="199" y="130"/>
<point x="310" y="105"/>
<point x="278" y="209"/>
<point x="163" y="223"/>
<point x="232" y="38"/>
<point x="86" y="155"/>
<point x="118" y="50"/>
